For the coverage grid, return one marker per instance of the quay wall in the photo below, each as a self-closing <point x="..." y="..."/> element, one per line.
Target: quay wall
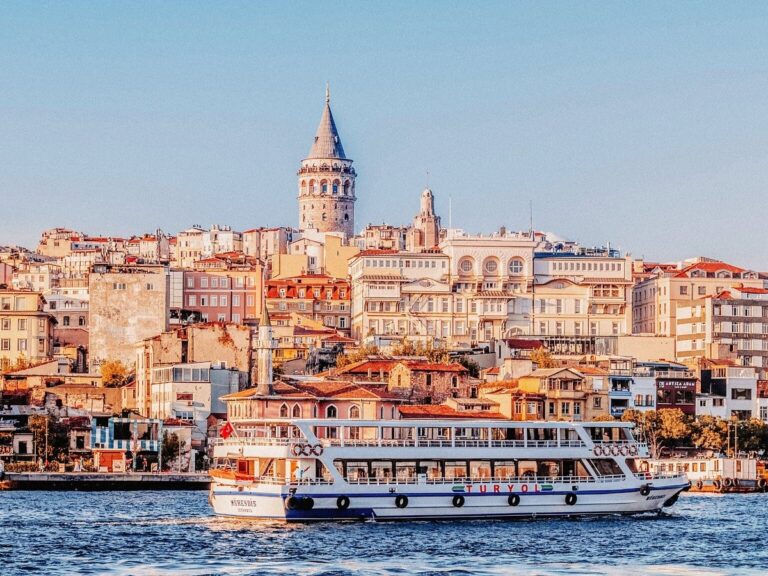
<point x="100" y="481"/>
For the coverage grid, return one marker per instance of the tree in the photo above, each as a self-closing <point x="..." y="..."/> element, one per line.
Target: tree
<point x="113" y="373"/>
<point x="429" y="351"/>
<point x="709" y="432"/>
<point x="661" y="429"/>
<point x="543" y="358"/>
<point x="171" y="449"/>
<point x="471" y="365"/>
<point x="356" y="355"/>
<point x="51" y="437"/>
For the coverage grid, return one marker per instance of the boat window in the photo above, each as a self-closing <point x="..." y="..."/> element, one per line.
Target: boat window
<point x="406" y="470"/>
<point x="548" y="468"/>
<point x="381" y="470"/>
<point x="431" y="468"/>
<point x="322" y="472"/>
<point x="504" y="469"/>
<point x="606" y="466"/>
<point x="357" y="470"/>
<point x="632" y="463"/>
<point x="574" y="468"/>
<point x="526" y="468"/>
<point x="479" y="469"/>
<point x="455" y="470"/>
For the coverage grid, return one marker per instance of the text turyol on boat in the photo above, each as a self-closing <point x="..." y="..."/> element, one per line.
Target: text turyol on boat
<point x="314" y="469"/>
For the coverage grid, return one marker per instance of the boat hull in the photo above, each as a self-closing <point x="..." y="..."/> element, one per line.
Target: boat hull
<point x="380" y="502"/>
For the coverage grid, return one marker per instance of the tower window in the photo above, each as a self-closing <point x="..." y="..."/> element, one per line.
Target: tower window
<point x="324" y="217"/>
<point x="346" y="217"/>
<point x="324" y="187"/>
<point x="335" y="187"/>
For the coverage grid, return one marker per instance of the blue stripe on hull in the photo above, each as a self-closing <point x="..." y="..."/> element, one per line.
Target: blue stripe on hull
<point x="443" y="494"/>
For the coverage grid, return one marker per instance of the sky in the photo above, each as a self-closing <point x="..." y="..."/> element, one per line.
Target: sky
<point x="641" y="124"/>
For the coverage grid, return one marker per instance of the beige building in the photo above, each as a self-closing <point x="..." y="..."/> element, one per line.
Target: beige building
<point x="405" y="294"/>
<point x="327" y="182"/>
<point x="127" y="305"/>
<point x="223" y="346"/>
<point x="425" y="232"/>
<point x="382" y="237"/>
<point x="315" y="253"/>
<point x="26" y="330"/>
<point x="655" y="300"/>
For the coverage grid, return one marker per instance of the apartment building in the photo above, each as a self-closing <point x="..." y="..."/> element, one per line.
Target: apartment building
<point x="26" y="330"/>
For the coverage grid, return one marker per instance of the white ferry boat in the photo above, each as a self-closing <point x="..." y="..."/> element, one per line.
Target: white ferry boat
<point x="302" y="470"/>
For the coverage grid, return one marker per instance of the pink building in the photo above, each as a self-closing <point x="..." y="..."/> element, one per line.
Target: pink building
<point x="233" y="296"/>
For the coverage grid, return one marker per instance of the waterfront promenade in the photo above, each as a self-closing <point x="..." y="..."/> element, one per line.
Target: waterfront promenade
<point x="84" y="481"/>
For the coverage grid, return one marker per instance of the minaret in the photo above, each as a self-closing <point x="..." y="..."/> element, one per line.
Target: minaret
<point x="327" y="181"/>
<point x="264" y="346"/>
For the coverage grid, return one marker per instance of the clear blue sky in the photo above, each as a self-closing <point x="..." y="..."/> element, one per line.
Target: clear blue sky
<point x="637" y="123"/>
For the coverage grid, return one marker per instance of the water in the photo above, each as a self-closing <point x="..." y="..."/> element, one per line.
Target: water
<point x="164" y="533"/>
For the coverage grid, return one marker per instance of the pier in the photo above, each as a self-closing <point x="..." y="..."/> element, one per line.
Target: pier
<point x="100" y="481"/>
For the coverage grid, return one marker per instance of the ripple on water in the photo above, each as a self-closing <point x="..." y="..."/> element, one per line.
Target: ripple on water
<point x="174" y="533"/>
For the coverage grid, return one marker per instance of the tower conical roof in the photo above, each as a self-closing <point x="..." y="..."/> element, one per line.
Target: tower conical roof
<point x="327" y="143"/>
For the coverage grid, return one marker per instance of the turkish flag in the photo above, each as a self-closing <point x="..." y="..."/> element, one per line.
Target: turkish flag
<point x="226" y="430"/>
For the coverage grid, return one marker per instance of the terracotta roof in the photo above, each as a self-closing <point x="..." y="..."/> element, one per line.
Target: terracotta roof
<point x="521" y="344"/>
<point x="493" y="371"/>
<point x="709" y="267"/>
<point x="442" y="411"/>
<point x="363" y="366"/>
<point x="748" y="290"/>
<point x="377" y="252"/>
<point x="421" y="366"/>
<point x="590" y="370"/>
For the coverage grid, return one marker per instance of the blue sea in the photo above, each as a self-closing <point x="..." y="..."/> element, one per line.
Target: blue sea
<point x="170" y="533"/>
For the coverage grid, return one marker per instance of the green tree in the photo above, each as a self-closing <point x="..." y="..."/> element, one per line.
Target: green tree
<point x="471" y="365"/>
<point x="171" y="449"/>
<point x="51" y="438"/>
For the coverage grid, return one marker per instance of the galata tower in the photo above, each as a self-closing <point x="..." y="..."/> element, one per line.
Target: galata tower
<point x="327" y="181"/>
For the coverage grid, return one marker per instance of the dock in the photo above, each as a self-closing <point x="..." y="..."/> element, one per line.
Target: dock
<point x="91" y="482"/>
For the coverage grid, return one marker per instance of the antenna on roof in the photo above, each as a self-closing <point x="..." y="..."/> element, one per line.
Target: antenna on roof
<point x="530" y="216"/>
<point x="327" y="92"/>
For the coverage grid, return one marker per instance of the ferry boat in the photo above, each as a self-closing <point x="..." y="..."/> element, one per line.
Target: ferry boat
<point x="719" y="474"/>
<point x="313" y="469"/>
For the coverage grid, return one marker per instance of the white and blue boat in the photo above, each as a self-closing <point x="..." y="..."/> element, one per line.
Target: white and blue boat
<point x="320" y="469"/>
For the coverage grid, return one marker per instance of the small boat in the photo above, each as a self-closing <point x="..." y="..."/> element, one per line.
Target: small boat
<point x="316" y="469"/>
<point x="717" y="474"/>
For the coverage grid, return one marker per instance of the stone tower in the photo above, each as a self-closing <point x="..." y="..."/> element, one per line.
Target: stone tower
<point x="327" y="181"/>
<point x="425" y="232"/>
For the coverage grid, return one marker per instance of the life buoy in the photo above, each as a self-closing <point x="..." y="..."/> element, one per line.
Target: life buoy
<point x="401" y="501"/>
<point x="297" y="449"/>
<point x="571" y="499"/>
<point x="342" y="502"/>
<point x="699" y="484"/>
<point x="717" y="484"/>
<point x="458" y="501"/>
<point x="597" y="450"/>
<point x="645" y="489"/>
<point x="317" y="449"/>
<point x="624" y="451"/>
<point x="633" y="450"/>
<point x="306" y="450"/>
<point x="728" y="482"/>
<point x="307" y="503"/>
<point x="762" y="483"/>
<point x="615" y="450"/>
<point x="513" y="500"/>
<point x="291" y="503"/>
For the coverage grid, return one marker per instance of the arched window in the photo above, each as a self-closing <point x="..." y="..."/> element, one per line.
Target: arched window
<point x="324" y="217"/>
<point x="354" y="411"/>
<point x="311" y="186"/>
<point x="324" y="186"/>
<point x="66" y="320"/>
<point x="284" y="411"/>
<point x="296" y="412"/>
<point x="466" y="265"/>
<point x="331" y="412"/>
<point x="516" y="266"/>
<point x="346" y="217"/>
<point x="335" y="186"/>
<point x="81" y="321"/>
<point x="491" y="266"/>
<point x="346" y="188"/>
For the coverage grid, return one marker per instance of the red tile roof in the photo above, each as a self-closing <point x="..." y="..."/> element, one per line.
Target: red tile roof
<point x="442" y="411"/>
<point x="709" y="267"/>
